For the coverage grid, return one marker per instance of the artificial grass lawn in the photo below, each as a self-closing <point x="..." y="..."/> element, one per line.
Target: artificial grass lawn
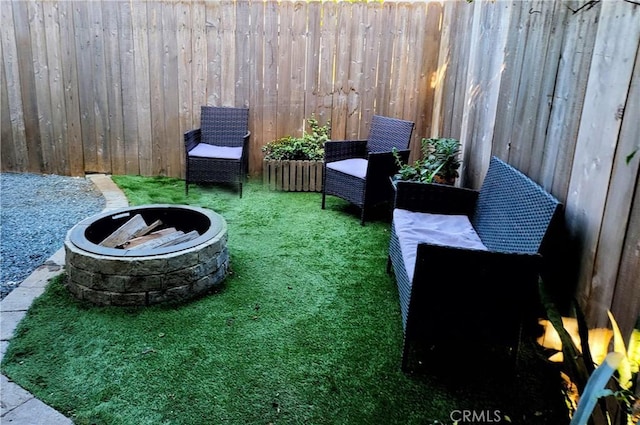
<point x="306" y="330"/>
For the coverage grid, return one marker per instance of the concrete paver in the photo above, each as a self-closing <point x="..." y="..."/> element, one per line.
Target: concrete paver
<point x="18" y="406"/>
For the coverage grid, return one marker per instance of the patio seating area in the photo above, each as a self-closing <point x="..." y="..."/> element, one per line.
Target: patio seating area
<point x="177" y="102"/>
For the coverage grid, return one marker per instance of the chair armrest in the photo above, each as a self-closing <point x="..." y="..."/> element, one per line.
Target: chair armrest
<point x="435" y="198"/>
<point x="344" y="149"/>
<point x="191" y="139"/>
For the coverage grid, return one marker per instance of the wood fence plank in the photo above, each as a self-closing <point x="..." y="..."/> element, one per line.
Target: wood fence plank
<point x="199" y="60"/>
<point x="142" y="85"/>
<point x="115" y="137"/>
<point x="228" y="54"/>
<point x="156" y="87"/>
<point x="173" y="141"/>
<point x="100" y="107"/>
<point x="242" y="57"/>
<point x="17" y="160"/>
<point x="284" y="124"/>
<point x="618" y="227"/>
<point x="40" y="66"/>
<point x="59" y="163"/>
<point x="7" y="151"/>
<point x="297" y="66"/>
<point x="356" y="77"/>
<point x="270" y="97"/>
<point x="328" y="43"/>
<point x="312" y="60"/>
<point x="568" y="98"/>
<point x="626" y="299"/>
<point x="618" y="37"/>
<point x="129" y="103"/>
<point x="214" y="52"/>
<point x="27" y="80"/>
<point x="185" y="89"/>
<point x="341" y="80"/>
<point x="256" y="97"/>
<point x="385" y="60"/>
<point x="427" y="79"/>
<point x="73" y="124"/>
<point x="373" y="36"/>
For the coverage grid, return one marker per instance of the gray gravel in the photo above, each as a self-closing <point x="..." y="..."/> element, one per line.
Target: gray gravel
<point x="36" y="213"/>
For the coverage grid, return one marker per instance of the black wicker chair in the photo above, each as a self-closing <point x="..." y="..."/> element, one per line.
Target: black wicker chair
<point x="217" y="152"/>
<point x="359" y="170"/>
<point x="456" y="295"/>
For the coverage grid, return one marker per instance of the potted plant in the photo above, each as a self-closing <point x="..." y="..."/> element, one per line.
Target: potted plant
<point x="295" y="163"/>
<point x="439" y="163"/>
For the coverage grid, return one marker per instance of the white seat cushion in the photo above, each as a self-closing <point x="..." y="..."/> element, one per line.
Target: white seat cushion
<point x="204" y="150"/>
<point x="437" y="229"/>
<point x="356" y="167"/>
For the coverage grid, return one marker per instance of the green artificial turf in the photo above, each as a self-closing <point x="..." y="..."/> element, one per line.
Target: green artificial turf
<point x="306" y="330"/>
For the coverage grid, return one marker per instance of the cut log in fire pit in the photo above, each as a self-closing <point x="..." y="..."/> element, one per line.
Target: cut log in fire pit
<point x="147" y="255"/>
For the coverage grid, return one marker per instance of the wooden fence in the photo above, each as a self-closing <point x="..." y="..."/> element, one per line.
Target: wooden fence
<point x="551" y="87"/>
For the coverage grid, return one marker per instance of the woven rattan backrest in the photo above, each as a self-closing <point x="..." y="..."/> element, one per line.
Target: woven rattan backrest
<point x="387" y="133"/>
<point x="513" y="213"/>
<point x="224" y="126"/>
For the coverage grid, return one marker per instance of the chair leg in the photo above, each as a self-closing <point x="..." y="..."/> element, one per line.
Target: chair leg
<point x="240" y="188"/>
<point x="388" y="264"/>
<point x="186" y="187"/>
<point x="362" y="217"/>
<point x="324" y="195"/>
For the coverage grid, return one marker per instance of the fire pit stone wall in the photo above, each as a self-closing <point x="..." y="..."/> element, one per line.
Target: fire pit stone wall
<point x="145" y="280"/>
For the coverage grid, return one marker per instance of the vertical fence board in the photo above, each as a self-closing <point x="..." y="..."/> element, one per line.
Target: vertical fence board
<point x="618" y="37"/>
<point x="242" y="57"/>
<point x="7" y="151"/>
<point x="214" y="32"/>
<point x="568" y="98"/>
<point x="142" y="85"/>
<point x="100" y="133"/>
<point x="623" y="185"/>
<point x="256" y="78"/>
<point x="129" y="104"/>
<point x="59" y="161"/>
<point x="373" y="35"/>
<point x="115" y="102"/>
<point x="312" y="59"/>
<point x="73" y="125"/>
<point x="185" y="90"/>
<point x="40" y="65"/>
<point x="156" y="87"/>
<point x="327" y="59"/>
<point x="28" y="87"/>
<point x="14" y="148"/>
<point x="198" y="60"/>
<point x="171" y="84"/>
<point x="270" y="96"/>
<point x="297" y="66"/>
<point x="356" y="77"/>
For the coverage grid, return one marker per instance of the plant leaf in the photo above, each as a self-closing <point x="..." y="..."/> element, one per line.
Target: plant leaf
<point x="595" y="388"/>
<point x="624" y="369"/>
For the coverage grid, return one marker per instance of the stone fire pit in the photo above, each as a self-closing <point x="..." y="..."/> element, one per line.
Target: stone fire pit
<point x="147" y="275"/>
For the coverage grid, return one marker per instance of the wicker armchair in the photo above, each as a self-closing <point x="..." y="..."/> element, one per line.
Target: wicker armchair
<point x="359" y="170"/>
<point x="464" y="294"/>
<point x="217" y="152"/>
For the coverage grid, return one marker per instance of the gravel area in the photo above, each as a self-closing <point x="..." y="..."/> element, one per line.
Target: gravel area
<point x="36" y="213"/>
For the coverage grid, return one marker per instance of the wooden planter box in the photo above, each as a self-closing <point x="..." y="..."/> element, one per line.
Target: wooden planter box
<point x="292" y="176"/>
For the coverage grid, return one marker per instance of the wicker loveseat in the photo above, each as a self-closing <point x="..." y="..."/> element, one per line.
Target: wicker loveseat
<point x="467" y="262"/>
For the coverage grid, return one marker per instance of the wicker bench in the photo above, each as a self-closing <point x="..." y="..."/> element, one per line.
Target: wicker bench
<point x="467" y="262"/>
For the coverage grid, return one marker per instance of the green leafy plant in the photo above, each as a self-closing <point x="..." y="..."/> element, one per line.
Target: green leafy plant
<point x="308" y="147"/>
<point x="439" y="163"/>
<point x="615" y="376"/>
